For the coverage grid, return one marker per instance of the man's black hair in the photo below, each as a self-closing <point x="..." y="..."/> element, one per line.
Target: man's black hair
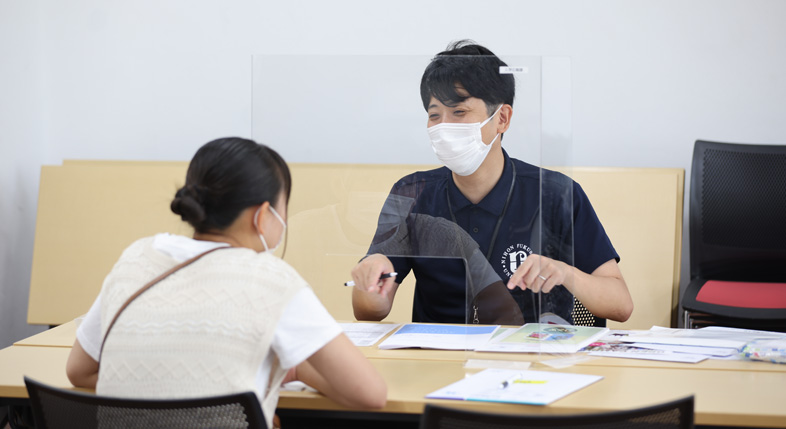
<point x="472" y="66"/>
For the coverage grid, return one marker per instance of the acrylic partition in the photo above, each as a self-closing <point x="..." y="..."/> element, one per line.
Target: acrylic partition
<point x="351" y="127"/>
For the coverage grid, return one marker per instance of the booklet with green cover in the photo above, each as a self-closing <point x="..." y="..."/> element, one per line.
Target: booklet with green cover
<point x="544" y="338"/>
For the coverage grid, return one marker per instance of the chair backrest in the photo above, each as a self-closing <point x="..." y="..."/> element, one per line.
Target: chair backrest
<point x="584" y="317"/>
<point x="64" y="409"/>
<point x="738" y="212"/>
<point x="676" y="414"/>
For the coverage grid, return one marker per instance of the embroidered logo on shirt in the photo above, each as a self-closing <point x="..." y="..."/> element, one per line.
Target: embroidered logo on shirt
<point x="513" y="257"/>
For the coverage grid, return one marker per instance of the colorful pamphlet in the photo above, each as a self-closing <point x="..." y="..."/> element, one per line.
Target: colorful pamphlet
<point x="544" y="338"/>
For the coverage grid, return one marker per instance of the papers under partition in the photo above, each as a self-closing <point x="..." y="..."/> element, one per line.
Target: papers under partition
<point x="512" y="386"/>
<point x="544" y="338"/>
<point x="439" y="336"/>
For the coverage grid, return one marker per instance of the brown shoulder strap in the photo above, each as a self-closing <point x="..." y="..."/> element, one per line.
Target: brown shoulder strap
<point x="148" y="286"/>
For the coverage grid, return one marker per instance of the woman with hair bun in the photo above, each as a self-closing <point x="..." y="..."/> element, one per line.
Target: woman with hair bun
<point x="231" y="317"/>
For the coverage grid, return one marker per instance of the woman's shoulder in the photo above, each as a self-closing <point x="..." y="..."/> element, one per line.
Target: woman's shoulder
<point x="264" y="265"/>
<point x="139" y="252"/>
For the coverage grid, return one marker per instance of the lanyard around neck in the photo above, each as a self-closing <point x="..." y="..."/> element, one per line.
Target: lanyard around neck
<point x="502" y="216"/>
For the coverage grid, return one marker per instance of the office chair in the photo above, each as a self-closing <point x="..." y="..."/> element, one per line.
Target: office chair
<point x="737" y="230"/>
<point x="676" y="414"/>
<point x="583" y="317"/>
<point x="55" y="408"/>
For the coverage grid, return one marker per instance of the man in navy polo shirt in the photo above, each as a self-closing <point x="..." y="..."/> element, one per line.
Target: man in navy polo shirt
<point x="489" y="214"/>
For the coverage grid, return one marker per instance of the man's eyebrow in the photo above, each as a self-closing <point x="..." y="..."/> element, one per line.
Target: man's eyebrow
<point x="460" y="104"/>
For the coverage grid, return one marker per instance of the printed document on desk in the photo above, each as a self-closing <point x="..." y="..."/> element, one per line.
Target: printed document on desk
<point x="705" y="337"/>
<point x="367" y="334"/>
<point x="439" y="336"/>
<point x="513" y="386"/>
<point x="630" y="351"/>
<point x="545" y="338"/>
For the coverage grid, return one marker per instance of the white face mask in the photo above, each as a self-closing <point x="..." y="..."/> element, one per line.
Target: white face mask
<point x="460" y="146"/>
<point x="264" y="243"/>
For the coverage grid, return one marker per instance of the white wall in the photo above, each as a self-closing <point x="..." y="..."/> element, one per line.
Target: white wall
<point x="156" y="79"/>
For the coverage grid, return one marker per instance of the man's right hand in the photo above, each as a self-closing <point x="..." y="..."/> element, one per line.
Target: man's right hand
<point x="372" y="297"/>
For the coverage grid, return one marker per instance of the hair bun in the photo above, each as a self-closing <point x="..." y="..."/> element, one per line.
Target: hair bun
<point x="188" y="205"/>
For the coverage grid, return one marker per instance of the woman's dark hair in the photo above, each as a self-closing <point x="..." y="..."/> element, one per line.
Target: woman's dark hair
<point x="227" y="176"/>
<point x="472" y="66"/>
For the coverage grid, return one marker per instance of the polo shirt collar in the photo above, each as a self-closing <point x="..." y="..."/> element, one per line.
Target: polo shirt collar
<point x="494" y="202"/>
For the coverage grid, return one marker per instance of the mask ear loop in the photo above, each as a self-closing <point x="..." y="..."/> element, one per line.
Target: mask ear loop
<point x="483" y="124"/>
<point x="256" y="225"/>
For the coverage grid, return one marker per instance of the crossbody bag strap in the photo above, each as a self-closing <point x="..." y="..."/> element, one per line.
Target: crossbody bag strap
<point x="144" y="288"/>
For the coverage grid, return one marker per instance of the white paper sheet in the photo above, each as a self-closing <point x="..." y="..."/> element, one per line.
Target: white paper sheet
<point x="698" y="337"/>
<point x="653" y="355"/>
<point x="520" y="387"/>
<point x="708" y="351"/>
<point x="367" y="334"/>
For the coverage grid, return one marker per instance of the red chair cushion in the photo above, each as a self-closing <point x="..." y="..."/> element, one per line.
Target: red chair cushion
<point x="743" y="294"/>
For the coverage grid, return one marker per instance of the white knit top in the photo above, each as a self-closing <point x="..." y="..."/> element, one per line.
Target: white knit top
<point x="202" y="331"/>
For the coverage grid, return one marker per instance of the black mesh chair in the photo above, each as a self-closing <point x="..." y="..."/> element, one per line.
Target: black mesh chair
<point x="64" y="409"/>
<point x="677" y="415"/>
<point x="737" y="237"/>
<point x="583" y="317"/>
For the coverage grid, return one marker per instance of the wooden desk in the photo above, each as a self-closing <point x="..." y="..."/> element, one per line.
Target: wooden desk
<point x="728" y="398"/>
<point x="63" y="336"/>
<point x="46" y="364"/>
<point x="461" y="356"/>
<point x="60" y="336"/>
<point x="728" y="393"/>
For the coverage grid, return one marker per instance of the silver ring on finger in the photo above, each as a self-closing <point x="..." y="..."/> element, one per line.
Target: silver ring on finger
<point x="542" y="278"/>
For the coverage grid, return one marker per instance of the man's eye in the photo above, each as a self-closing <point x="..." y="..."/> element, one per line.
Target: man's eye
<point x="458" y="112"/>
<point x="433" y="117"/>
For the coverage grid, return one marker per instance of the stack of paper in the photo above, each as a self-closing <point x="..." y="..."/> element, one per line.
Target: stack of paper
<point x="705" y="337"/>
<point x="678" y="345"/>
<point x="520" y="387"/>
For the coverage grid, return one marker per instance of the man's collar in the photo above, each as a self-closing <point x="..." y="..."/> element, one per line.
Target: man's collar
<point x="494" y="201"/>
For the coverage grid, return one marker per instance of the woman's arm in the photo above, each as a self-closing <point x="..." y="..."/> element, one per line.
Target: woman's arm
<point x="81" y="369"/>
<point x="343" y="374"/>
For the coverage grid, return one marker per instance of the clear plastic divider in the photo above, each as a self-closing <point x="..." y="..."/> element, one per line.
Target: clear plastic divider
<point x="351" y="127"/>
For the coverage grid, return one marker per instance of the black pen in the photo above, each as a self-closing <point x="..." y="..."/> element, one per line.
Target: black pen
<point x="508" y="382"/>
<point x="383" y="276"/>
